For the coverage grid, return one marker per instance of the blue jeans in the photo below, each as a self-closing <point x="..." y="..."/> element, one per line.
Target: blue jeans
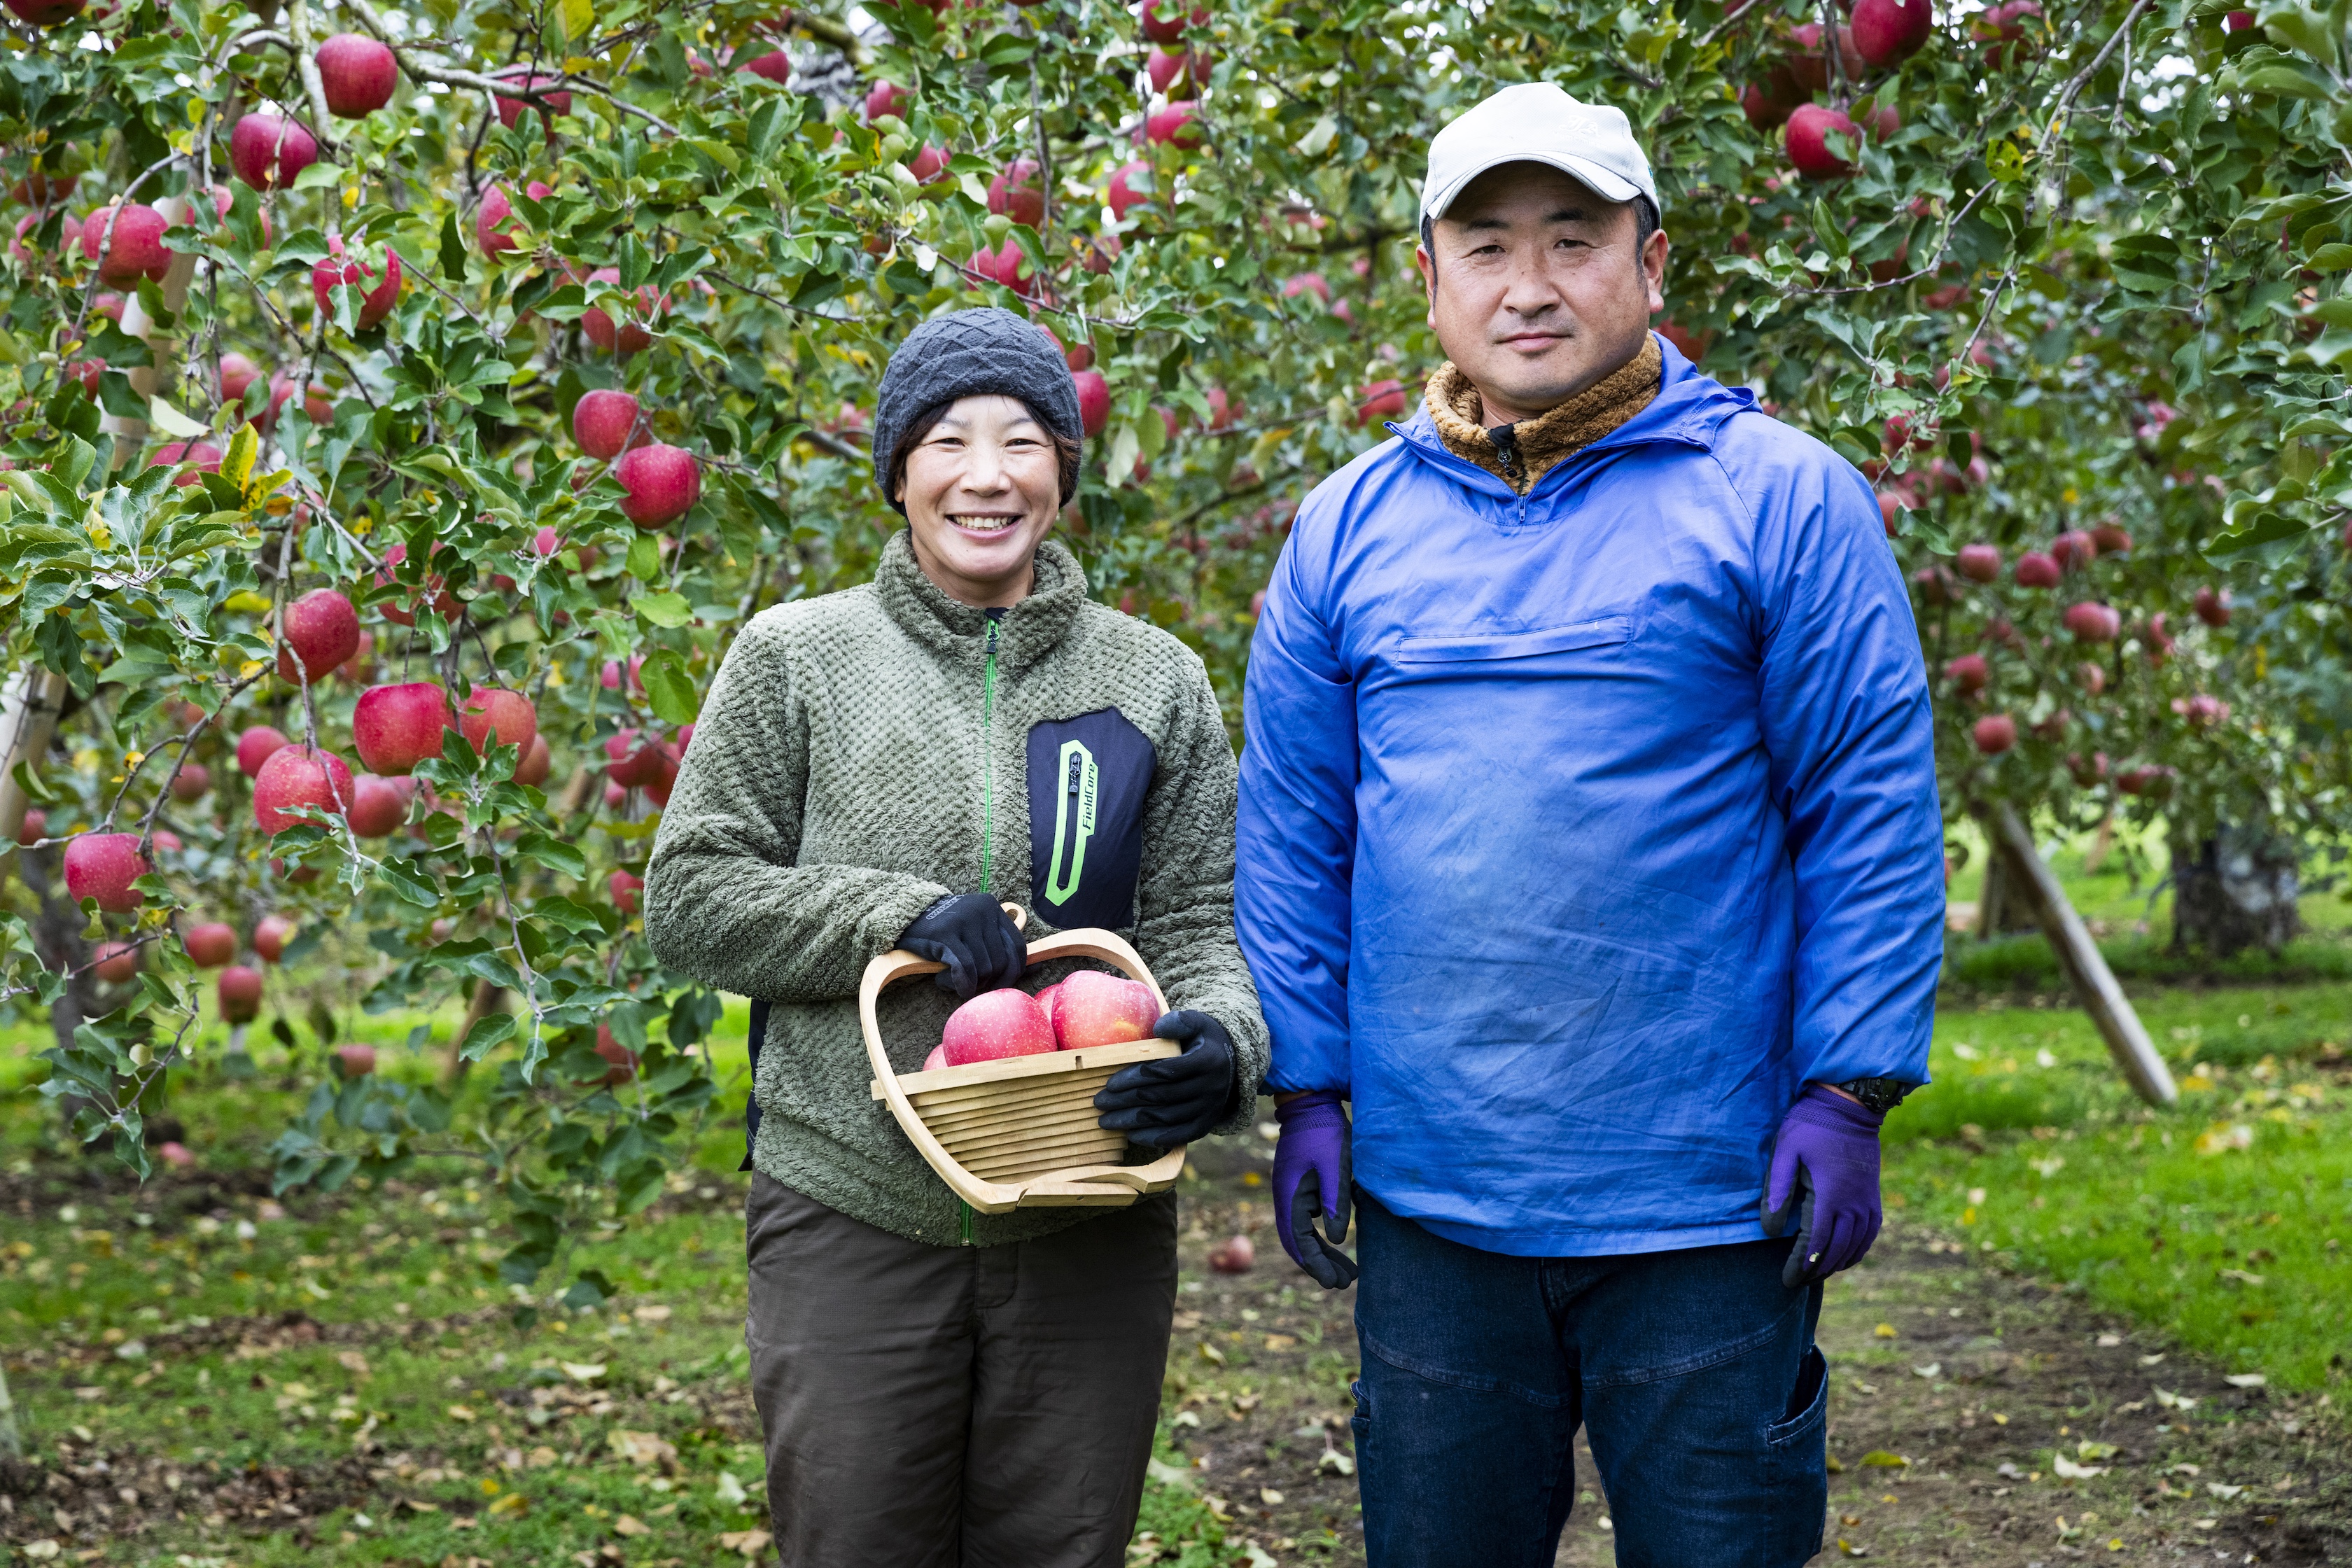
<point x="1694" y="1373"/>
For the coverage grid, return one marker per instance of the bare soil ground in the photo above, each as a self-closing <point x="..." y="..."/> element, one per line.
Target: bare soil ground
<point x="1956" y="1392"/>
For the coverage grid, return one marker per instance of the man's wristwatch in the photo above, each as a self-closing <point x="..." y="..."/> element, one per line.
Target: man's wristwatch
<point x="1880" y="1094"/>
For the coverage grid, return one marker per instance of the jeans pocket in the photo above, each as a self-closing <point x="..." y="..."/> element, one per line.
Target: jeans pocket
<point x="1795" y="1447"/>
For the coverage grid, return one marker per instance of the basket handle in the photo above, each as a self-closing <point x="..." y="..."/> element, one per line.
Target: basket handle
<point x="1018" y="916"/>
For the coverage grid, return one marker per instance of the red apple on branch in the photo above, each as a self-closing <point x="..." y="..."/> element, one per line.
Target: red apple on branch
<point x="1094" y="400"/>
<point x="602" y="422"/>
<point x="2212" y="607"/>
<point x="551" y="105"/>
<point x="102" y="866"/>
<point x="236" y="374"/>
<point x="2111" y="539"/>
<point x="2073" y="549"/>
<point x="1978" y="563"/>
<point x="2093" y="622"/>
<point x="1019" y="192"/>
<point x="623" y="1060"/>
<point x="46" y="13"/>
<point x="1123" y="194"/>
<point x="358" y="73"/>
<point x="270" y="935"/>
<point x="623" y="888"/>
<point x="210" y="945"/>
<point x="631" y="334"/>
<point x="1380" y="400"/>
<point x="535" y="764"/>
<point x="376" y="298"/>
<point x="995" y="1024"/>
<point x="885" y="98"/>
<point x="1995" y="733"/>
<point x="497" y="211"/>
<point x="127" y="243"/>
<point x="268" y="150"/>
<point x="1888" y="32"/>
<point x="322" y="630"/>
<point x="2035" y="570"/>
<point x="633" y="759"/>
<point x="662" y="482"/>
<point x="116" y="961"/>
<point x="1969" y="672"/>
<point x="394" y="727"/>
<point x="379" y="806"/>
<point x="1164" y="21"/>
<point x="255" y="746"/>
<point x="1178" y="125"/>
<point x="299" y="776"/>
<point x="193" y="779"/>
<point x="494" y="716"/>
<point x="1810" y="127"/>
<point x="353" y="1061"/>
<point x="239" y="990"/>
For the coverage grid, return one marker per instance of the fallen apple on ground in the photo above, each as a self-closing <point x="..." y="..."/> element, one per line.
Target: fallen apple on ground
<point x="1234" y="1256"/>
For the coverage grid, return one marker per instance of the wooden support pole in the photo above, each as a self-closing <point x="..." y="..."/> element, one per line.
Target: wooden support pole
<point x="2085" y="968"/>
<point x="29" y="705"/>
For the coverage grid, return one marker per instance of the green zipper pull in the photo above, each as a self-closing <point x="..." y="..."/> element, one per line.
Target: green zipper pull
<point x="987" y="756"/>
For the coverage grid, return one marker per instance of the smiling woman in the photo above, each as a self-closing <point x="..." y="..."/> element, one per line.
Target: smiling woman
<point x="876" y="769"/>
<point x="980" y="481"/>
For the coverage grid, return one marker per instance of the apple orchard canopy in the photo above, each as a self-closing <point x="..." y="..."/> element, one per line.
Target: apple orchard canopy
<point x="1537" y="123"/>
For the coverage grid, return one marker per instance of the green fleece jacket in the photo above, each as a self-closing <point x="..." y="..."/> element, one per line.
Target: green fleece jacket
<point x="865" y="754"/>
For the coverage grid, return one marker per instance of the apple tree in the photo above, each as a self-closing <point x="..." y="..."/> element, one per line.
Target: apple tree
<point x="406" y="403"/>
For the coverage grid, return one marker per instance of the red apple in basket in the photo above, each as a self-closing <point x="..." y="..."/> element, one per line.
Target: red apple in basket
<point x="936" y="1059"/>
<point x="1098" y="1010"/>
<point x="995" y="1024"/>
<point x="1049" y="998"/>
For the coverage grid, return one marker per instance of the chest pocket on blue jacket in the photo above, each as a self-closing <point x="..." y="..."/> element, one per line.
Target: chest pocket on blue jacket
<point x="1087" y="780"/>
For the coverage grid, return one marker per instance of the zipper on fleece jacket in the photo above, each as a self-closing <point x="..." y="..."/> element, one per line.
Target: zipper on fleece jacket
<point x="987" y="816"/>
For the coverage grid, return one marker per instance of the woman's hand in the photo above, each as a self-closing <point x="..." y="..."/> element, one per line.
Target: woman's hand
<point x="1173" y="1100"/>
<point x="972" y="935"/>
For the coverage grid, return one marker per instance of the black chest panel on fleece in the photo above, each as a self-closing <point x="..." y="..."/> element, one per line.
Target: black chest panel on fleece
<point x="1089" y="777"/>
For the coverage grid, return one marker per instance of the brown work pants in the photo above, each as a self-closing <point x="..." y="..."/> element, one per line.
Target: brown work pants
<point x="955" y="1406"/>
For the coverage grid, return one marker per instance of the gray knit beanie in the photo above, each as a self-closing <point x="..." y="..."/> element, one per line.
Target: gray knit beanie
<point x="971" y="353"/>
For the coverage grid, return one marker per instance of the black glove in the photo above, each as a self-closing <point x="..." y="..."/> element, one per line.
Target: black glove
<point x="1175" y="1099"/>
<point x="972" y="935"/>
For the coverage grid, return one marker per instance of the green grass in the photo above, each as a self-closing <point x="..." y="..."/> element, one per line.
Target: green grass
<point x="2219" y="1221"/>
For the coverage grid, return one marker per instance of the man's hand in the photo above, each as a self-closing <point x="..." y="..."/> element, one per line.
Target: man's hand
<point x="1172" y="1101"/>
<point x="972" y="935"/>
<point x="1825" y="1170"/>
<point x="1310" y="1174"/>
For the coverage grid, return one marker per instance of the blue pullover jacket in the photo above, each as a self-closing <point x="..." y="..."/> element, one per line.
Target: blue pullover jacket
<point x="1579" y="831"/>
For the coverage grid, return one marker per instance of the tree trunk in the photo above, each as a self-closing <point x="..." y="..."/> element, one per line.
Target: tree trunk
<point x="2085" y="968"/>
<point x="2238" y="892"/>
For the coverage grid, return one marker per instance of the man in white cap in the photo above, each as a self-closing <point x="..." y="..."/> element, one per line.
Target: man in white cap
<point x="1590" y="854"/>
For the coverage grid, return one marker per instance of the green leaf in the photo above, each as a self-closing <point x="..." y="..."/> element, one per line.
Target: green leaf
<point x="667" y="610"/>
<point x="453" y="249"/>
<point x="317" y="176"/>
<point x="670" y="689"/>
<point x="2330" y="258"/>
<point x="487" y="1034"/>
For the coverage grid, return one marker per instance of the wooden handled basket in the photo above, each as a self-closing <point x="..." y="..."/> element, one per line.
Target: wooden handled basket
<point x="1022" y="1131"/>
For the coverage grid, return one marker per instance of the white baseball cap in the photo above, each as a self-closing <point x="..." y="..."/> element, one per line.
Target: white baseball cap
<point x="1537" y="122"/>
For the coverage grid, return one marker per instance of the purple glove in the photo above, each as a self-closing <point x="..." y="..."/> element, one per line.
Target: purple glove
<point x="1827" y="1154"/>
<point x="1310" y="1171"/>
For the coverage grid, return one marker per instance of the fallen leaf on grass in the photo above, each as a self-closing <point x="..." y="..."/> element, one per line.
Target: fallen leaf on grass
<point x="629" y="1524"/>
<point x="1185" y="1418"/>
<point x="1168" y="1475"/>
<point x="41" y="1551"/>
<point x="459" y="1413"/>
<point x="750" y="1542"/>
<point x="1337" y="1463"/>
<point x="513" y="1503"/>
<point x="352" y="1361"/>
<point x="651" y="1312"/>
<point x="583" y="1371"/>
<point x="2246" y="1379"/>
<point x="1850" y="1550"/>
<point x="2172" y="1401"/>
<point x="729" y="1491"/>
<point x="2242" y="1278"/>
<point x="424" y="1506"/>
<point x="1884" y="1331"/>
<point x="2087" y="1449"/>
<point x="1269" y="1497"/>
<point x="1209" y="1352"/>
<point x="1933" y="1369"/>
<point x="643" y="1448"/>
<point x="2068" y="1471"/>
<point x="2224" y="1492"/>
<point x="1880" y="1459"/>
